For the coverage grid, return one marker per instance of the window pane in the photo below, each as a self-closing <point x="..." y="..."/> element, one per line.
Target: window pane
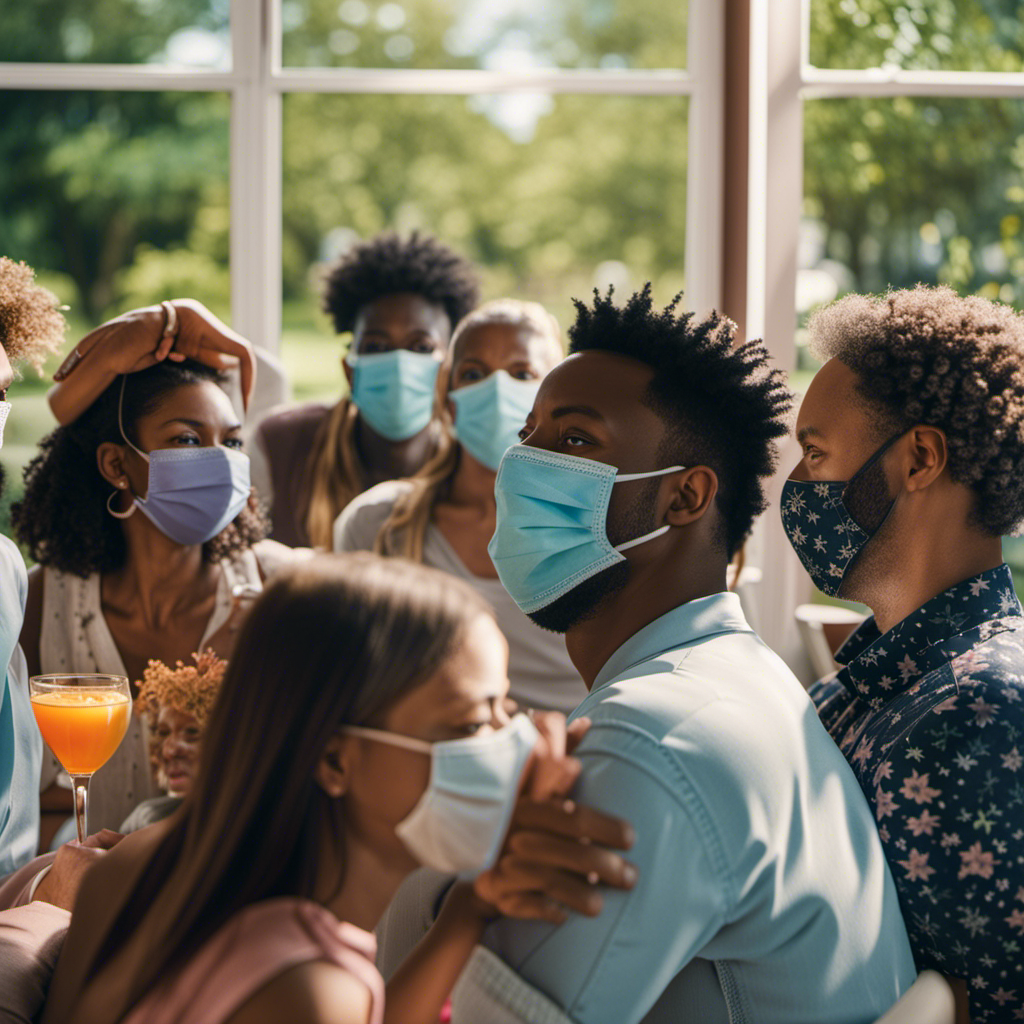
<point x="192" y="33"/>
<point x="550" y="195"/>
<point x="117" y="200"/>
<point x="945" y="35"/>
<point x="906" y="190"/>
<point x="495" y="34"/>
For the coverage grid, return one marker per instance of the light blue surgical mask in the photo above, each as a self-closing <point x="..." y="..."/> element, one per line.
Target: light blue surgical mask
<point x="551" y="534"/>
<point x="394" y="391"/>
<point x="460" y="822"/>
<point x="5" y="411"/>
<point x="193" y="493"/>
<point x="490" y="413"/>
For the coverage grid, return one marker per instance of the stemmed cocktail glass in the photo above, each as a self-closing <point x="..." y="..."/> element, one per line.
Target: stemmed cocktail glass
<point x="83" y="717"/>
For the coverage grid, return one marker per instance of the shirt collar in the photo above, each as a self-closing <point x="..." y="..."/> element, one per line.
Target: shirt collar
<point x="876" y="665"/>
<point x="696" y="620"/>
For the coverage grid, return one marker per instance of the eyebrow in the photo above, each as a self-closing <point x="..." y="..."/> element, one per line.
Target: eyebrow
<point x="805" y="432"/>
<point x="196" y="424"/>
<point x="580" y="410"/>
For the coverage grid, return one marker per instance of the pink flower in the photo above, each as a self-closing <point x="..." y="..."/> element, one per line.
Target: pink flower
<point x="917" y="866"/>
<point x="884" y="805"/>
<point x="1016" y="920"/>
<point x="915" y="787"/>
<point x="863" y="751"/>
<point x="1002" y="997"/>
<point x="983" y="713"/>
<point x="976" y="862"/>
<point x="925" y="823"/>
<point x="1012" y="761"/>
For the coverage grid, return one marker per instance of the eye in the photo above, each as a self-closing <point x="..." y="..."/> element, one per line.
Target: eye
<point x="192" y="735"/>
<point x="423" y="345"/>
<point x="234" y="442"/>
<point x="525" y="374"/>
<point x="371" y="346"/>
<point x="470" y="375"/>
<point x="189" y="439"/>
<point x="575" y="441"/>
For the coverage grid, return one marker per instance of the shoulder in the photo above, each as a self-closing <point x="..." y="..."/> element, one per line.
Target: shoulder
<point x="361" y="519"/>
<point x="317" y="992"/>
<point x="272" y="556"/>
<point x="292" y="420"/>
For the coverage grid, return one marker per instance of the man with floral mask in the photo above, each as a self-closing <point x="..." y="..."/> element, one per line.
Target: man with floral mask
<point x="762" y="890"/>
<point x="912" y="472"/>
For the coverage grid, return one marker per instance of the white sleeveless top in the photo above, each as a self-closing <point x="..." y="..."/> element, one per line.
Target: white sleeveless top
<point x="75" y="638"/>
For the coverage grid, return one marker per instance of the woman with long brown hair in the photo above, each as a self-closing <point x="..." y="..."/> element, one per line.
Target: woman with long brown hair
<point x="359" y="732"/>
<point x="445" y="514"/>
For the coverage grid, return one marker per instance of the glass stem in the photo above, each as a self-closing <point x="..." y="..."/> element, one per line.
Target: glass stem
<point x="80" y="791"/>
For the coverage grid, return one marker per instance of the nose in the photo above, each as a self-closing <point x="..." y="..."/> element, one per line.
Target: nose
<point x="799" y="472"/>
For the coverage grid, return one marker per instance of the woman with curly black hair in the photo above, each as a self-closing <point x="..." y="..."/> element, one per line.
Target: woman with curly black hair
<point x="399" y="299"/>
<point x="141" y="517"/>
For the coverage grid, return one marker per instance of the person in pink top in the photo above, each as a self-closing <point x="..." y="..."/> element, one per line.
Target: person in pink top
<point x="361" y="731"/>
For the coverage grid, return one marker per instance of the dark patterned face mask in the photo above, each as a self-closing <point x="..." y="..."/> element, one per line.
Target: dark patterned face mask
<point x="829" y="522"/>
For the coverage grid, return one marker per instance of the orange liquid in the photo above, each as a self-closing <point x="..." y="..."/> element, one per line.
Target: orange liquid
<point x="82" y="727"/>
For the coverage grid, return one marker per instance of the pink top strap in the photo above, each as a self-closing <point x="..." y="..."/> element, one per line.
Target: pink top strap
<point x="257" y="944"/>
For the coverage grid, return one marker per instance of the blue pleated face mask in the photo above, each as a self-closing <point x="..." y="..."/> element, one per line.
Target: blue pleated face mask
<point x="193" y="493"/>
<point x="551" y="534"/>
<point x="490" y="413"/>
<point x="394" y="391"/>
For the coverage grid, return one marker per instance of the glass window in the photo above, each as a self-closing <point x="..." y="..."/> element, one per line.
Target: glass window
<point x="496" y="34"/>
<point x="551" y="195"/>
<point x="920" y="35"/>
<point x="189" y="33"/>
<point x="117" y="200"/>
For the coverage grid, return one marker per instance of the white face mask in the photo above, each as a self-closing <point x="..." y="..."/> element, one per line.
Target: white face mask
<point x="5" y="411"/>
<point x="460" y="821"/>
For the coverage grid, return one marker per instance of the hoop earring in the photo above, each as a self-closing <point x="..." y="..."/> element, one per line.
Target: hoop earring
<point x="119" y="515"/>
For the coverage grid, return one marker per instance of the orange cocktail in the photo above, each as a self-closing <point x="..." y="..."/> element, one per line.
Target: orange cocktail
<point x="82" y="727"/>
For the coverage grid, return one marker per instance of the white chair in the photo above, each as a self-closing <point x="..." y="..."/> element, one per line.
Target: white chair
<point x="811" y="620"/>
<point x="929" y="1000"/>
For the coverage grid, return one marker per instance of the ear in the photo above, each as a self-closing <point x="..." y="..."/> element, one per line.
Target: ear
<point x="333" y="768"/>
<point x="110" y="460"/>
<point x="926" y="457"/>
<point x="693" y="491"/>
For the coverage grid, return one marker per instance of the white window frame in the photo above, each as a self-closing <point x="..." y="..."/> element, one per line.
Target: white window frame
<point x="257" y="81"/>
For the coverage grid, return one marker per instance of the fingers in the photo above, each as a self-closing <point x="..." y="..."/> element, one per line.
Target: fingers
<point x="582" y="860"/>
<point x="204" y="337"/>
<point x="575" y="732"/>
<point x="105" y="839"/>
<point x="551" y="779"/>
<point x="519" y="879"/>
<point x="574" y="821"/>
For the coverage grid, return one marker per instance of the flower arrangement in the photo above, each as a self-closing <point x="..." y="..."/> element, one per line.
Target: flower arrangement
<point x="190" y="689"/>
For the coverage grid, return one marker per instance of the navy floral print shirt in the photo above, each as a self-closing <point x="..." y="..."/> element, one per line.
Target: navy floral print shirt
<point x="931" y="717"/>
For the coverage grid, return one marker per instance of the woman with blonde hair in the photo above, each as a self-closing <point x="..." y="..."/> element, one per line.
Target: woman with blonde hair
<point x="444" y="515"/>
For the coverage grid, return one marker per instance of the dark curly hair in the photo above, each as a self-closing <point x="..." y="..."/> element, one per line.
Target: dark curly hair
<point x="63" y="520"/>
<point x="727" y="405"/>
<point x="928" y="356"/>
<point x="390" y="265"/>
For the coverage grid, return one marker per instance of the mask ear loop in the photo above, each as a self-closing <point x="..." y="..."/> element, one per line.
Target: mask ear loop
<point x="661" y="529"/>
<point x="120" y="427"/>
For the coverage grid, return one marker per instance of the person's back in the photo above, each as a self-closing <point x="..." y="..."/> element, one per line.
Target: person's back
<point x="762" y="892"/>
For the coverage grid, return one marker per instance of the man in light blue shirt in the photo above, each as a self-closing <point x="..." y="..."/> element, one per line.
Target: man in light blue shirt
<point x="763" y="894"/>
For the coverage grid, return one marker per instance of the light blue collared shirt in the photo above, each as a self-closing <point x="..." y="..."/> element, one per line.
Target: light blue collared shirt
<point x="21" y="746"/>
<point x="763" y="893"/>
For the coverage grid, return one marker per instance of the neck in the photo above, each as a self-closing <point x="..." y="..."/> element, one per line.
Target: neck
<point x="925" y="569"/>
<point x="369" y="886"/>
<point x="392" y="460"/>
<point x="158" y="575"/>
<point x="651" y="591"/>
<point x="473" y="484"/>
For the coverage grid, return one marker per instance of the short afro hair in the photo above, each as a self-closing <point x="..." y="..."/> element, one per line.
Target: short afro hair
<point x="726" y="404"/>
<point x="391" y="265"/>
<point x="88" y="539"/>
<point x="928" y="356"/>
<point x="31" y="323"/>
